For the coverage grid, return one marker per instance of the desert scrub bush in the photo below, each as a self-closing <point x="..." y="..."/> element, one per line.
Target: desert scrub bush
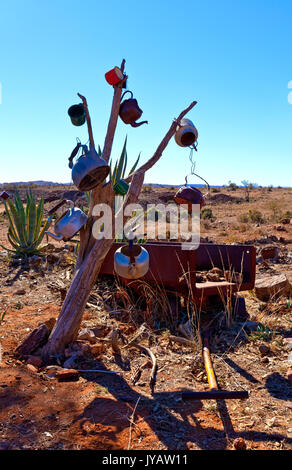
<point x="256" y="216"/>
<point x="275" y="207"/>
<point x="147" y="189"/>
<point x="243" y="228"/>
<point x="25" y="232"/>
<point x="243" y="218"/>
<point x="253" y="216"/>
<point x="232" y="186"/>
<point x="207" y="213"/>
<point x="287" y="215"/>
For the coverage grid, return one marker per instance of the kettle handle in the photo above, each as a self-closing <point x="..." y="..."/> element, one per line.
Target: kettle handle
<point x="73" y="154"/>
<point x="208" y="186"/>
<point x="125" y="92"/>
<point x="60" y="204"/>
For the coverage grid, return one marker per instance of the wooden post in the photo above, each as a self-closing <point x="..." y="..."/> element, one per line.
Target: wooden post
<point x="91" y="251"/>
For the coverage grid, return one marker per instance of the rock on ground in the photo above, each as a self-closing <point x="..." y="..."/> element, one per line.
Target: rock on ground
<point x="272" y="286"/>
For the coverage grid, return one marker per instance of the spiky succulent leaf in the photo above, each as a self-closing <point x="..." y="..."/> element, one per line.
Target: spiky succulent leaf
<point x="135" y="164"/>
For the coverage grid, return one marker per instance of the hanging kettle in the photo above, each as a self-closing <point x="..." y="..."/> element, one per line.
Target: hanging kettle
<point x="77" y="114"/>
<point x="189" y="195"/>
<point x="69" y="223"/>
<point x="4" y="195"/>
<point x="89" y="170"/>
<point x="186" y="133"/>
<point x="130" y="111"/>
<point x="131" y="261"/>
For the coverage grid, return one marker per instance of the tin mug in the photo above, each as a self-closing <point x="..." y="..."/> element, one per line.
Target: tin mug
<point x="77" y="114"/>
<point x="114" y="76"/>
<point x="121" y="187"/>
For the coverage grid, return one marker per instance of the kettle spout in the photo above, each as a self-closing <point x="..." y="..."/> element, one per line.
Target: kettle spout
<point x="137" y="124"/>
<point x="53" y="235"/>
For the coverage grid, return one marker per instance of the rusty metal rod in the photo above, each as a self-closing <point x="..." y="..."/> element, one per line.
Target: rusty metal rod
<point x="213" y="393"/>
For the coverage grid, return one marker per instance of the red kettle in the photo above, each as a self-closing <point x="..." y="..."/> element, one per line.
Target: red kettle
<point x="130" y="111"/>
<point x="190" y="195"/>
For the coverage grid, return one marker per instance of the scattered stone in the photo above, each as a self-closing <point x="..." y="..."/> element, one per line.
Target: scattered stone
<point x="272" y="286"/>
<point x="200" y="278"/>
<point x="265" y="360"/>
<point x="280" y="228"/>
<point x="264" y="349"/>
<point x="49" y="248"/>
<point x="32" y="368"/>
<point x="35" y="260"/>
<point x="87" y="335"/>
<point x="217" y="271"/>
<point x="35" y="361"/>
<point x="20" y="292"/>
<point x="285" y="221"/>
<point x="239" y="444"/>
<point x="213" y="277"/>
<point x="288" y="341"/>
<point x="17" y="262"/>
<point x="37" y="338"/>
<point x="52" y="258"/>
<point x="65" y="374"/>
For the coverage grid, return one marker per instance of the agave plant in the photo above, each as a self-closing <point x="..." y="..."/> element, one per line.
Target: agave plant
<point x="121" y="166"/>
<point x="25" y="232"/>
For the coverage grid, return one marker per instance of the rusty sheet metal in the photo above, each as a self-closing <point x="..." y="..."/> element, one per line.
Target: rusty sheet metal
<point x="175" y="269"/>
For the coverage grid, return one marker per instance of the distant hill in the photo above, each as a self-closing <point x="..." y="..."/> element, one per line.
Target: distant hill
<point x="37" y="183"/>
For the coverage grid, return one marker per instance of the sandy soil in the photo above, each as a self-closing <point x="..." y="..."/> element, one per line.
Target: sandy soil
<point x="107" y="411"/>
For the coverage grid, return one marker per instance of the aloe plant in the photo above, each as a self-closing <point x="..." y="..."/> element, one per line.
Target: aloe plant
<point x="25" y="232"/>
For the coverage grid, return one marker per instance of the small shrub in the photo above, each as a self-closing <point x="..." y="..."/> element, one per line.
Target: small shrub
<point x="232" y="186"/>
<point x="243" y="218"/>
<point x="256" y="216"/>
<point x="263" y="333"/>
<point x="253" y="216"/>
<point x="287" y="215"/>
<point x="207" y="213"/>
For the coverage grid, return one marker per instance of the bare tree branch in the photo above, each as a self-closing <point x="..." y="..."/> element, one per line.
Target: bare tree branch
<point x="170" y="133"/>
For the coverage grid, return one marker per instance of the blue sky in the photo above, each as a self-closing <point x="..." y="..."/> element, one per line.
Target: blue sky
<point x="233" y="57"/>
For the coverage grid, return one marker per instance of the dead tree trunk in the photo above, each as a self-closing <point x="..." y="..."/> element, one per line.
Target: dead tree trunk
<point x="91" y="251"/>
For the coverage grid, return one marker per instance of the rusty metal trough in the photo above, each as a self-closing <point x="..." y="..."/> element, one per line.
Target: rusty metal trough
<point x="175" y="269"/>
